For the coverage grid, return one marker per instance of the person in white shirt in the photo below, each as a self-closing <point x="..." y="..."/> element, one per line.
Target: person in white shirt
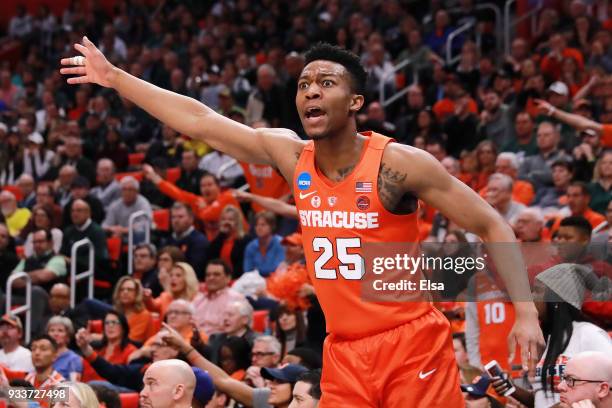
<point x="559" y="293"/>
<point x="13" y="355"/>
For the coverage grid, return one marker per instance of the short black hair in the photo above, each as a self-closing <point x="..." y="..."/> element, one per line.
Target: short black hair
<point x="584" y="189"/>
<point x="580" y="223"/>
<point x="45" y="337"/>
<point x="312" y="377"/>
<point x="568" y="165"/>
<point x="339" y="55"/>
<point x="48" y="236"/>
<point x="107" y="395"/>
<point x="227" y="269"/>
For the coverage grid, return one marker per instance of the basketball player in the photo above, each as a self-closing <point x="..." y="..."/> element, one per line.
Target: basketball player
<point x="377" y="354"/>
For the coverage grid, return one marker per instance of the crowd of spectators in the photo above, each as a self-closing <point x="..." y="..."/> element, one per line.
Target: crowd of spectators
<point x="76" y="162"/>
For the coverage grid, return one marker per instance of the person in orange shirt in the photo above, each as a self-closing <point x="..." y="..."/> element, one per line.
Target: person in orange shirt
<point x="445" y="107"/>
<point x="180" y="317"/>
<point x="578" y="198"/>
<point x="371" y="184"/>
<point x="207" y="206"/>
<point x="579" y="122"/>
<point x="522" y="191"/>
<point x="551" y="64"/>
<point x="115" y="346"/>
<point x="128" y="299"/>
<point x="264" y="180"/>
<point x="183" y="284"/>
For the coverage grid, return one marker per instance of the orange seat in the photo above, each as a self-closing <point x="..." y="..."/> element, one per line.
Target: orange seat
<point x="136" y="159"/>
<point x="260" y="321"/>
<point x="129" y="399"/>
<point x="114" y="248"/>
<point x="173" y="174"/>
<point x="95" y="326"/>
<point x="161" y="218"/>
<point x="15" y="190"/>
<point x="136" y="174"/>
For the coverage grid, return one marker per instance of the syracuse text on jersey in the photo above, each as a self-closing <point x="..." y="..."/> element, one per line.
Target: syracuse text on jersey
<point x="339" y="219"/>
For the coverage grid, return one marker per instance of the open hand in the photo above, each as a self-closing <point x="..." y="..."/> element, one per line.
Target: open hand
<point x="91" y="67"/>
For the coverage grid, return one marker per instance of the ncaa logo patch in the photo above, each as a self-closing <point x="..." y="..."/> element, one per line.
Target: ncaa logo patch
<point x="315" y="201"/>
<point x="304" y="180"/>
<point x="363" y="203"/>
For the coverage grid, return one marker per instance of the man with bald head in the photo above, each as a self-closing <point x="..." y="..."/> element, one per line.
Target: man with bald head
<point x="587" y="381"/>
<point x="168" y="384"/>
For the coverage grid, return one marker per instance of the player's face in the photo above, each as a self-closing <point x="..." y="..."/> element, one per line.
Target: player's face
<point x="324" y="99"/>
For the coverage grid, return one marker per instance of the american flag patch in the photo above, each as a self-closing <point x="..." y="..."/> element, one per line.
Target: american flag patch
<point x="363" y="187"/>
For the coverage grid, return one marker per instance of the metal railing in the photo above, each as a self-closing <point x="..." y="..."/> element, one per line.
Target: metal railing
<point x="27" y="307"/>
<point x="499" y="27"/>
<point x="88" y="274"/>
<point x="383" y="80"/>
<point x="451" y="37"/>
<point x="509" y="25"/>
<point x="131" y="222"/>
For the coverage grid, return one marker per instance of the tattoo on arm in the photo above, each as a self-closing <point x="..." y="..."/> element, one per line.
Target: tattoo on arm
<point x="391" y="191"/>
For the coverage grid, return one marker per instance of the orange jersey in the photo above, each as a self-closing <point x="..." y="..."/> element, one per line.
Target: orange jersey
<point x="265" y="181"/>
<point x="337" y="219"/>
<point x="495" y="321"/>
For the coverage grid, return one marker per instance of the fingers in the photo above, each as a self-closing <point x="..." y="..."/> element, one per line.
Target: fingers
<point x="78" y="80"/>
<point x="88" y="43"/>
<point x="533" y="350"/>
<point x="83" y="50"/>
<point x="74" y="70"/>
<point x="525" y="356"/>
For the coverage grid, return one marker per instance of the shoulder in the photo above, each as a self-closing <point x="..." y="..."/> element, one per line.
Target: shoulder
<point x="409" y="163"/>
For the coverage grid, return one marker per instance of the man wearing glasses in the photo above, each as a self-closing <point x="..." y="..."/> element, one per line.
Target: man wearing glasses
<point x="587" y="380"/>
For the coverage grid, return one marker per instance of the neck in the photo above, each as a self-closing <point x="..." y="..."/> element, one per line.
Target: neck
<point x="238" y="333"/>
<point x="113" y="342"/>
<point x="503" y="207"/>
<point x="61" y="349"/>
<point x="44" y="373"/>
<point x="336" y="156"/>
<point x="547" y="151"/>
<point x="606" y="182"/>
<point x="264" y="241"/>
<point x="9" y="348"/>
<point x="524" y="138"/>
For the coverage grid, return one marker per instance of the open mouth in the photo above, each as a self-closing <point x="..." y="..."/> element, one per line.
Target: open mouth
<point x="314" y="112"/>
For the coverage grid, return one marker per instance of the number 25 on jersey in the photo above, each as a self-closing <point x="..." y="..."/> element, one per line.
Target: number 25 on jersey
<point x="351" y="265"/>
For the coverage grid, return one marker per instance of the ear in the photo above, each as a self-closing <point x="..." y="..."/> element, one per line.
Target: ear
<point x="356" y="104"/>
<point x="603" y="390"/>
<point x="179" y="390"/>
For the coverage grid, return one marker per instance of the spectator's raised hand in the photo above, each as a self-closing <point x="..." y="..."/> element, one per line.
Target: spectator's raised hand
<point x="173" y="339"/>
<point x="150" y="174"/>
<point x="242" y="196"/>
<point x="147" y="294"/>
<point x="544" y="107"/>
<point x="83" y="338"/>
<point x="91" y="67"/>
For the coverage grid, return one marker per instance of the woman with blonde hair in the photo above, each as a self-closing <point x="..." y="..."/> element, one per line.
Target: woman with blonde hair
<point x="80" y="395"/>
<point x="231" y="241"/>
<point x="166" y="258"/>
<point x="183" y="284"/>
<point x="128" y="299"/>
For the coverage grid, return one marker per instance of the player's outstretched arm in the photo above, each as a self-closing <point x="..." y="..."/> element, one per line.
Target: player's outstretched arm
<point x="184" y="114"/>
<point x="467" y="209"/>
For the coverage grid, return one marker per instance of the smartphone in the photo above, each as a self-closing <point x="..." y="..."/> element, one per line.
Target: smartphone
<point x="494" y="370"/>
